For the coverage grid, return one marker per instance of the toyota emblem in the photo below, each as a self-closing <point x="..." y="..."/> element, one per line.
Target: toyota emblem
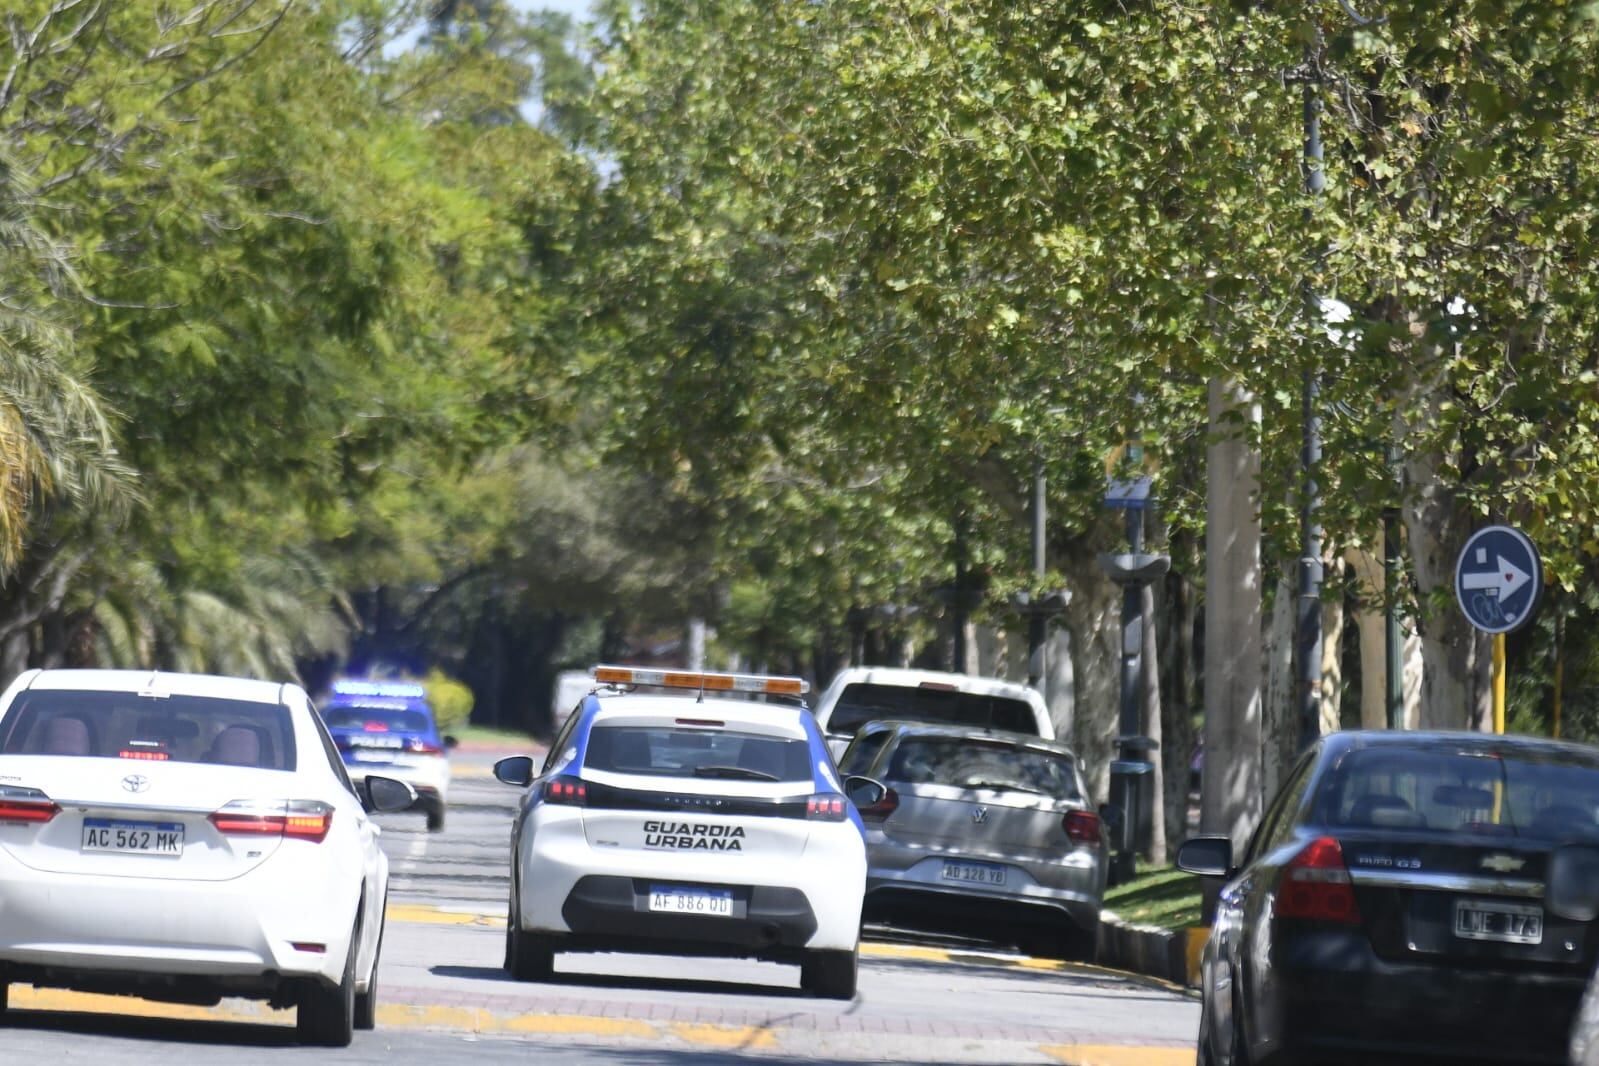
<point x="136" y="783"/>
<point x="979" y="815"/>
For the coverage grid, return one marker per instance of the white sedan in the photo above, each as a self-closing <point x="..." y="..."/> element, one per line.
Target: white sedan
<point x="683" y="824"/>
<point x="183" y="837"/>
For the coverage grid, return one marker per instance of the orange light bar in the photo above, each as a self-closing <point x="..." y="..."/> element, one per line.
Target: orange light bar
<point x="701" y="682"/>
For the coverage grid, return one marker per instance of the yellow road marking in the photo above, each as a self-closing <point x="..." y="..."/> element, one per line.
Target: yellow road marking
<point x="1115" y="1055"/>
<point x="728" y="1037"/>
<point x="421" y="914"/>
<point x="55" y="999"/>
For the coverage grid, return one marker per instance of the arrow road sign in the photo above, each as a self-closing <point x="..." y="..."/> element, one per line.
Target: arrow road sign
<point x="1499" y="579"/>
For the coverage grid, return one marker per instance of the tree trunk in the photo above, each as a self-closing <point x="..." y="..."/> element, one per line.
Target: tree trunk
<point x="1149" y="709"/>
<point x="1369" y="621"/>
<point x="1332" y="659"/>
<point x="1060" y="681"/>
<point x="1280" y="733"/>
<point x="1093" y="623"/>
<point x="1177" y="707"/>
<point x="1230" y="800"/>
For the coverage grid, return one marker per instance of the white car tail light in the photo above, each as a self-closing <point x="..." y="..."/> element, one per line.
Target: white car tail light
<point x="27" y="805"/>
<point x="295" y="819"/>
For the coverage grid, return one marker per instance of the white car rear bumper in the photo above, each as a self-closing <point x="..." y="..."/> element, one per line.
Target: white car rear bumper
<point x="243" y="928"/>
<point x="831" y="875"/>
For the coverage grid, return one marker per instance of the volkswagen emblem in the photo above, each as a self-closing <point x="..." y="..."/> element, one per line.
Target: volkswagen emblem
<point x="136" y="783"/>
<point x="979" y="815"/>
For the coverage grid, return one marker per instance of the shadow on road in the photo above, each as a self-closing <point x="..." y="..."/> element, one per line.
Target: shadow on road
<point x="605" y="980"/>
<point x="164" y="1030"/>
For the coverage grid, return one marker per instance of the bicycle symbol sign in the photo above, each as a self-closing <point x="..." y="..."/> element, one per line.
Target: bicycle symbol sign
<point x="1499" y="579"/>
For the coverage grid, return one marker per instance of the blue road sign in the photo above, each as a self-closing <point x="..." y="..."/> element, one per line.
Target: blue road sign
<point x="1498" y="579"/>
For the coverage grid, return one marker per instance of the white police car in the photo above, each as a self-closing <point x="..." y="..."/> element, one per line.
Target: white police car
<point x="688" y="823"/>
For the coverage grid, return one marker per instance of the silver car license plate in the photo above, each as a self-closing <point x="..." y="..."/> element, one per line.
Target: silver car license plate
<point x="978" y="873"/>
<point x="1507" y="923"/>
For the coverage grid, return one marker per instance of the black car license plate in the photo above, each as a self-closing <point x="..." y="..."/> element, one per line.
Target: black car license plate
<point x="1507" y="923"/>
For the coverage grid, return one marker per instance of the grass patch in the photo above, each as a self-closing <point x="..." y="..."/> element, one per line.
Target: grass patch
<point x="1161" y="897"/>
<point x="482" y="734"/>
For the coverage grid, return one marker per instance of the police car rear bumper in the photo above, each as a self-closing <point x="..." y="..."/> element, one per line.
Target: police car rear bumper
<point x="612" y="914"/>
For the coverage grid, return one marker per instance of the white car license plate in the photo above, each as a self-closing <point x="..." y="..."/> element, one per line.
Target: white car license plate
<point x="1508" y="923"/>
<point x="980" y="873"/>
<point x="691" y="901"/>
<point x="133" y="838"/>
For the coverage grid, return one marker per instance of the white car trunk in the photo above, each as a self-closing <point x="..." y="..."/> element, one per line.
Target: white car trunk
<point x="123" y="817"/>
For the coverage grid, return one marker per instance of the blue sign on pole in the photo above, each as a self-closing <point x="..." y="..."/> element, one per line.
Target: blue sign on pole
<point x="1499" y="579"/>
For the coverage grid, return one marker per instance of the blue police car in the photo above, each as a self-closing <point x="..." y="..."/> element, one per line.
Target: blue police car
<point x="387" y="728"/>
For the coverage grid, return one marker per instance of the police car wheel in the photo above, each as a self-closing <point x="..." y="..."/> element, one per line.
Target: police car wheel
<point x="4" y="989"/>
<point x="829" y="974"/>
<point x="435" y="817"/>
<point x="532" y="956"/>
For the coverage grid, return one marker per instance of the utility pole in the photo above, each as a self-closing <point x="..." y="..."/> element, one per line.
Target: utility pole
<point x="1309" y="623"/>
<point x="1037" y="621"/>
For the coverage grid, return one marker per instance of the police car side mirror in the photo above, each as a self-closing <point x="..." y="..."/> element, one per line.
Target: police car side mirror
<point x="863" y="791"/>
<point x="450" y="742"/>
<point x="517" y="770"/>
<point x="386" y="794"/>
<point x="1572" y="883"/>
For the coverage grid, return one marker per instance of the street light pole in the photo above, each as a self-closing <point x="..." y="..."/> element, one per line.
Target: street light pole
<point x="1037" y="622"/>
<point x="1309" y="623"/>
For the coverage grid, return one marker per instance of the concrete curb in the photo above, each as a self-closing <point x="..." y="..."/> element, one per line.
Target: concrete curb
<point x="1171" y="955"/>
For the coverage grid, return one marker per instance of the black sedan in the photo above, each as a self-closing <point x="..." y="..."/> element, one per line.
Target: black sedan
<point x="1391" y="906"/>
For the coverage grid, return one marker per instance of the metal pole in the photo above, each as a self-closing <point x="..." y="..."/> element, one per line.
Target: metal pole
<point x="960" y="594"/>
<point x="1560" y="672"/>
<point x="1036" y="622"/>
<point x="1310" y="568"/>
<point x="1133" y="637"/>
<point x="1499" y="683"/>
<point x="1393" y="637"/>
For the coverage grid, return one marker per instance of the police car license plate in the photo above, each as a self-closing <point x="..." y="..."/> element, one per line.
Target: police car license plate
<point x="980" y="873"/>
<point x="133" y="838"/>
<point x="672" y="900"/>
<point x="1508" y="923"/>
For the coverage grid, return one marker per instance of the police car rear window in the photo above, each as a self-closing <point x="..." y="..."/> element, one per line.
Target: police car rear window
<point x="859" y="704"/>
<point x="377" y="721"/>
<point x="967" y="763"/>
<point x="124" y="725"/>
<point x="678" y="751"/>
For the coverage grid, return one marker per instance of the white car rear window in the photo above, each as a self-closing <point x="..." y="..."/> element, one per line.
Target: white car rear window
<point x="125" y="725"/>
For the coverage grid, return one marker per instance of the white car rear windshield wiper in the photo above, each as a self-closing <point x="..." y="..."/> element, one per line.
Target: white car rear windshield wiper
<point x="1006" y="786"/>
<point x="734" y="771"/>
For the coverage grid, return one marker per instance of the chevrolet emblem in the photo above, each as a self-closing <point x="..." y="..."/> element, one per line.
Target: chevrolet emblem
<point x="1503" y="864"/>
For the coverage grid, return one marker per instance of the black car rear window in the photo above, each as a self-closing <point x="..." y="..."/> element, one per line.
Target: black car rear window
<point x="1547" y="794"/>
<point x="862" y="703"/>
<point x="125" y="725"/>
<point x="676" y="751"/>
<point x="967" y="763"/>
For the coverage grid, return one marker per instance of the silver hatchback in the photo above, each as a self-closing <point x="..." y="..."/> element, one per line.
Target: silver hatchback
<point x="981" y="826"/>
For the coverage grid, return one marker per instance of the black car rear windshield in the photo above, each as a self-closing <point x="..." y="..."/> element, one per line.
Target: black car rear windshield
<point x="678" y="751"/>
<point x="862" y="703"/>
<point x="1547" y="795"/>
<point x="124" y="725"/>
<point x="967" y="763"/>
<point x="371" y="720"/>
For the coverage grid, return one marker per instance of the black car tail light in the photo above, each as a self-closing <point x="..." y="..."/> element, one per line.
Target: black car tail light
<point x="1082" y="827"/>
<point x="566" y="791"/>
<point x="1316" y="886"/>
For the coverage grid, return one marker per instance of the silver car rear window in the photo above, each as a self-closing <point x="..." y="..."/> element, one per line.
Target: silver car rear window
<point x="967" y="763"/>
<point x="125" y="725"/>
<point x="862" y="703"/>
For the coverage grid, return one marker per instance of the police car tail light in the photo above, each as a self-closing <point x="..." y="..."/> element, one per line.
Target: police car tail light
<point x="879" y="811"/>
<point x="1316" y="886"/>
<point x="569" y="791"/>
<point x="423" y="747"/>
<point x="702" y="682"/>
<point x="296" y="819"/>
<point x="26" y="805"/>
<point x="1082" y="827"/>
<point x="825" y="807"/>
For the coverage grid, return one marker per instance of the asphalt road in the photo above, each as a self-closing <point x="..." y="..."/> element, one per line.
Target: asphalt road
<point x="445" y="999"/>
